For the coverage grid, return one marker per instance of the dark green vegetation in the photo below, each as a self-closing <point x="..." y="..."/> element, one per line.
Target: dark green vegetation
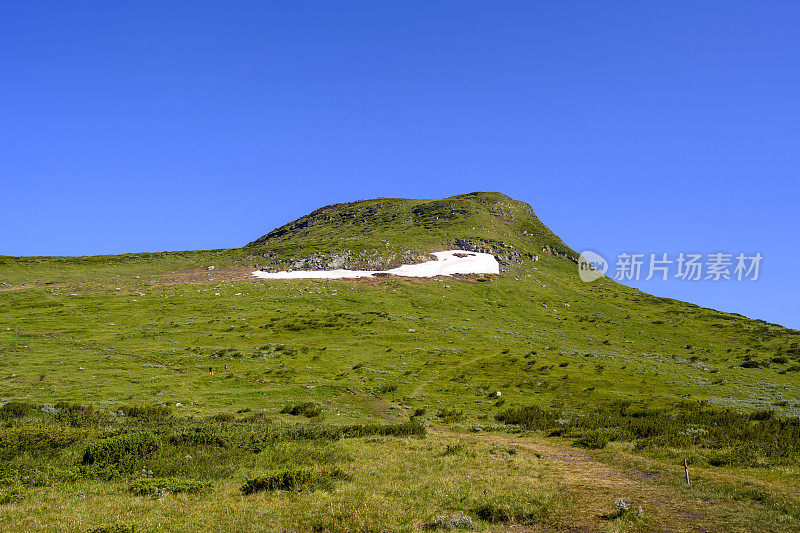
<point x="307" y="409"/>
<point x="719" y="437"/>
<point x="115" y="369"/>
<point x="186" y="454"/>
<point x="295" y="480"/>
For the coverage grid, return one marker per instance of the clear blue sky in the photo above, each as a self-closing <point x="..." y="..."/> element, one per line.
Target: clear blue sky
<point x="629" y="126"/>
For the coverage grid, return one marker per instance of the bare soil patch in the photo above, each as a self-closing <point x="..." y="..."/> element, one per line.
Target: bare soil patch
<point x="203" y="275"/>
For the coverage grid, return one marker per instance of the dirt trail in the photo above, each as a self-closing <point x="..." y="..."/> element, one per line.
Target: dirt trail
<point x="595" y="485"/>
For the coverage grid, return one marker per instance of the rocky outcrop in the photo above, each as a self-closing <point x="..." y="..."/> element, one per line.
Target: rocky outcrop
<point x="505" y="254"/>
<point x="366" y="260"/>
<point x="556" y="252"/>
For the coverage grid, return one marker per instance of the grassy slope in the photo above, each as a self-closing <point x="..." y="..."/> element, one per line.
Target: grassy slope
<point x="108" y="330"/>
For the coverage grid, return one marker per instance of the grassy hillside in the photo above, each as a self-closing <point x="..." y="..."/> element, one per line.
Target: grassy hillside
<point x="212" y="364"/>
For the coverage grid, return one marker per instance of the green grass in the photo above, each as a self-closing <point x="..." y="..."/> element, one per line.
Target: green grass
<point x="211" y="360"/>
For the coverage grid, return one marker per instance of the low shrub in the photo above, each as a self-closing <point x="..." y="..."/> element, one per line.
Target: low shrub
<point x="499" y="513"/>
<point x="308" y="409"/>
<point x="13" y="410"/>
<point x="450" y="415"/>
<point x="99" y="472"/>
<point x="592" y="439"/>
<point x="150" y="412"/>
<point x="760" y="434"/>
<point x="9" y="495"/>
<point x="295" y="480"/>
<point x="454" y="449"/>
<point x="256" y="418"/>
<point x="530" y="417"/>
<point x="148" y="486"/>
<point x="738" y="456"/>
<point x="299" y="432"/>
<point x="412" y="428"/>
<point x="763" y="414"/>
<point x="77" y="415"/>
<point x="37" y="440"/>
<point x="199" y="436"/>
<point x="124" y="452"/>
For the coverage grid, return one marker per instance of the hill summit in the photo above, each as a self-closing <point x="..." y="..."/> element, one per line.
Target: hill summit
<point x="385" y="231"/>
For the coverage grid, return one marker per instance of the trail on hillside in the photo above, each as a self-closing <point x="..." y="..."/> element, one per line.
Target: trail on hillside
<point x="419" y="388"/>
<point x="594" y="484"/>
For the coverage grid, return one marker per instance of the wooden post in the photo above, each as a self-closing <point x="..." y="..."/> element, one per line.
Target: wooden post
<point x="686" y="469"/>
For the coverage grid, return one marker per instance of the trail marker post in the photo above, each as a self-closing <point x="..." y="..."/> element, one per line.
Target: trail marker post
<point x="686" y="470"/>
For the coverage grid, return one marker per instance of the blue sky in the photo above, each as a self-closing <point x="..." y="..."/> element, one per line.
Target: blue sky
<point x="644" y="127"/>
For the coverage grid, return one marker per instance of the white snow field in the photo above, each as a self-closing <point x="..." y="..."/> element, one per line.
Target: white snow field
<point x="447" y="263"/>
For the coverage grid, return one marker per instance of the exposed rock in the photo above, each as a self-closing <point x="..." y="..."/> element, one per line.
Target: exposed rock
<point x="556" y="252"/>
<point x="365" y="260"/>
<point x="505" y="254"/>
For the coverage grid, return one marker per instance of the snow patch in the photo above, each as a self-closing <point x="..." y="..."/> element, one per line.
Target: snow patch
<point x="447" y="263"/>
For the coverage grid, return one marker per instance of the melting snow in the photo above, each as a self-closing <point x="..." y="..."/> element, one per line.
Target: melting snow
<point x="447" y="263"/>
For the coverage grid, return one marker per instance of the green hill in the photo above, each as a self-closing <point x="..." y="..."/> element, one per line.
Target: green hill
<point x="392" y="226"/>
<point x="292" y="384"/>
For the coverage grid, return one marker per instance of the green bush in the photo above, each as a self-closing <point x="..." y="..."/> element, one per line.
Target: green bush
<point x="9" y="495"/>
<point x="100" y="472"/>
<point x="199" y="436"/>
<point x="295" y="480"/>
<point x="403" y="429"/>
<point x="592" y="439"/>
<point x="529" y="417"/>
<point x="147" y="486"/>
<point x="37" y="440"/>
<point x="124" y="452"/>
<point x="12" y="410"/>
<point x="682" y="425"/>
<point x="77" y="415"/>
<point x="497" y="513"/>
<point x="150" y="412"/>
<point x="450" y="415"/>
<point x="308" y="409"/>
<point x="454" y="449"/>
<point x="298" y="432"/>
<point x="256" y="418"/>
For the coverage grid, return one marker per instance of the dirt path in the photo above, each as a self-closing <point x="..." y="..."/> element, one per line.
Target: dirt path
<point x="595" y="485"/>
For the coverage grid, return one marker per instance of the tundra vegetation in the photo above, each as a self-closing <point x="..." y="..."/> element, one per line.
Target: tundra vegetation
<point x="147" y="392"/>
